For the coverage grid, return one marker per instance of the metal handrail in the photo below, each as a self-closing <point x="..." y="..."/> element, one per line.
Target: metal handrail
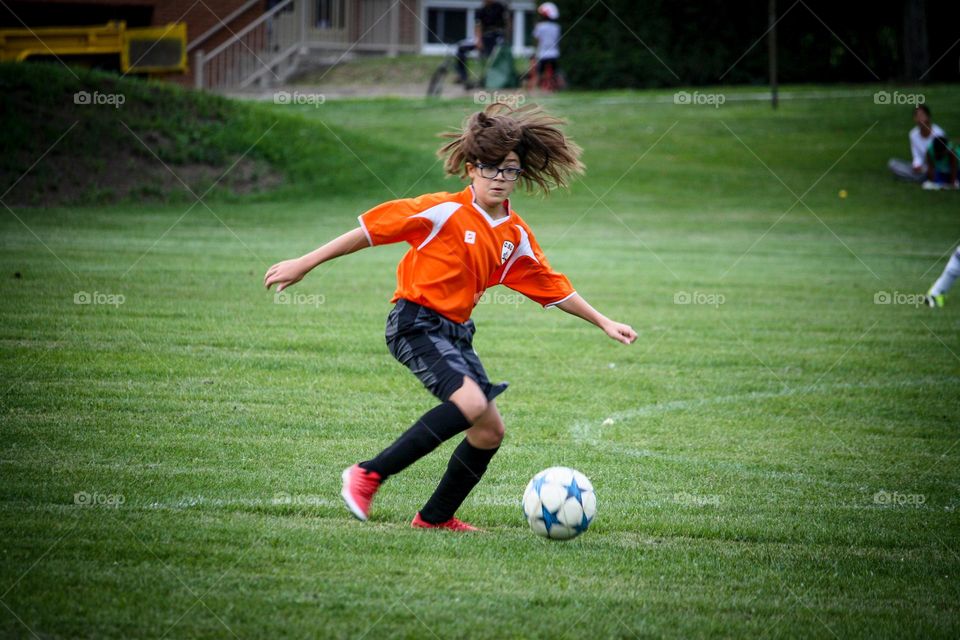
<point x="222" y="24"/>
<point x="247" y="29"/>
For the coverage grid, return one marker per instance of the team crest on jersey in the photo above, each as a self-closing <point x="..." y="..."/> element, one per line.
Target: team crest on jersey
<point x="505" y="251"/>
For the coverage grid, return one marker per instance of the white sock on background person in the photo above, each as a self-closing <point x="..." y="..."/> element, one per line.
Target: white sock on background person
<point x="949" y="275"/>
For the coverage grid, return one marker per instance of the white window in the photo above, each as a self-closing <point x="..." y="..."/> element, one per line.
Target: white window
<point x="447" y="22"/>
<point x="330" y="14"/>
<point x="446" y="25"/>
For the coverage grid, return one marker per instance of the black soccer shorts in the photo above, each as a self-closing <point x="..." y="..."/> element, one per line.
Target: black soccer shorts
<point x="437" y="350"/>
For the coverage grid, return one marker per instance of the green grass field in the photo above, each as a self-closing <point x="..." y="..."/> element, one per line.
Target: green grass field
<point x="777" y="458"/>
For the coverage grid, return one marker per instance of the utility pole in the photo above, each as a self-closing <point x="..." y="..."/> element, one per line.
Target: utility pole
<point x="916" y="51"/>
<point x="772" y="51"/>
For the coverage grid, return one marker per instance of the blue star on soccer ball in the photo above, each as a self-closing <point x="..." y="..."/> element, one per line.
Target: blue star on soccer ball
<point x="549" y="519"/>
<point x="573" y="491"/>
<point x="538" y="483"/>
<point x="584" y="523"/>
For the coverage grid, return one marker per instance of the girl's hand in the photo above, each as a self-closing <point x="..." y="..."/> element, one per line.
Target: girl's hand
<point x="620" y="332"/>
<point x="284" y="274"/>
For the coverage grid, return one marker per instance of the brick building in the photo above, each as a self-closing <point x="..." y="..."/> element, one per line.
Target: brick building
<point x="238" y="43"/>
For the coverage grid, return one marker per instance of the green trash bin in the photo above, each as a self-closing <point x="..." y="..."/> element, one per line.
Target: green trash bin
<point x="501" y="73"/>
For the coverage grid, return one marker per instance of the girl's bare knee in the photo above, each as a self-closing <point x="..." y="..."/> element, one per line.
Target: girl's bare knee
<point x="488" y="431"/>
<point x="470" y="400"/>
<point x="484" y="438"/>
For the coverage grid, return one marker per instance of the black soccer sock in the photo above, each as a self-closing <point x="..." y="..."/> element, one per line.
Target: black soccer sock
<point x="467" y="465"/>
<point x="435" y="427"/>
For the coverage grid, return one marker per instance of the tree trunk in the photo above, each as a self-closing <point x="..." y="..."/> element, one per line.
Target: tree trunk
<point x="916" y="52"/>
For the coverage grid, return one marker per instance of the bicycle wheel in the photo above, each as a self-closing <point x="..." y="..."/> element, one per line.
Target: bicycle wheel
<point x="435" y="88"/>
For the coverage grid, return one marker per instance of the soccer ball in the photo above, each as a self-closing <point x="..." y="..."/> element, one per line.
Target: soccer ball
<point x="559" y="503"/>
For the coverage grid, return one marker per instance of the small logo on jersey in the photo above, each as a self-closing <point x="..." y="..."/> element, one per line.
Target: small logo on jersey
<point x="506" y="251"/>
<point x="470" y="237"/>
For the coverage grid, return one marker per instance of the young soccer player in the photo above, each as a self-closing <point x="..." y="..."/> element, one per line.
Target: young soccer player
<point x="460" y="244"/>
<point x="937" y="295"/>
<point x="547" y="34"/>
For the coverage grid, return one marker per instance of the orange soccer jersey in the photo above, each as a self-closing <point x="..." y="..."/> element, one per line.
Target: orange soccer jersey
<point x="457" y="251"/>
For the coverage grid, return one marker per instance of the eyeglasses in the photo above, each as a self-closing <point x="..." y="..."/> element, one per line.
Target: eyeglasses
<point x="491" y="171"/>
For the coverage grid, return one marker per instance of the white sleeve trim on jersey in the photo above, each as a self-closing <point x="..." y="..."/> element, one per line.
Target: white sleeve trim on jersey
<point x="365" y="232"/>
<point x="438" y="216"/>
<point x="523" y="249"/>
<point x="553" y="304"/>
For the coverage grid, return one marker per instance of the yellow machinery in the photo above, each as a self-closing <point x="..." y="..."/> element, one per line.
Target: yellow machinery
<point x="139" y="50"/>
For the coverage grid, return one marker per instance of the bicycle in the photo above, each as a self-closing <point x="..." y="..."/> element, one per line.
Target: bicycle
<point x="439" y="77"/>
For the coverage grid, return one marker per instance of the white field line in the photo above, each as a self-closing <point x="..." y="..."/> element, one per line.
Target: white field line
<point x="190" y="502"/>
<point x="736" y="97"/>
<point x="184" y="503"/>
<point x="295" y="500"/>
<point x="588" y="432"/>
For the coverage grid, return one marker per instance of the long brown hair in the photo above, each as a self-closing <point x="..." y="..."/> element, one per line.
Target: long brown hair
<point x="549" y="158"/>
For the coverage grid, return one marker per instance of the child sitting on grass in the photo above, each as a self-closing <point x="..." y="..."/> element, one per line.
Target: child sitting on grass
<point x="941" y="164"/>
<point x="460" y="244"/>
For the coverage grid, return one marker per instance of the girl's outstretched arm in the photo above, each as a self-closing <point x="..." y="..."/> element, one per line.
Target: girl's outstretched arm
<point x="289" y="272"/>
<point x="577" y="306"/>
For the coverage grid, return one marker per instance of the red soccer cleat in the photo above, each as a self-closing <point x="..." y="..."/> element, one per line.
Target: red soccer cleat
<point x="452" y="524"/>
<point x="359" y="485"/>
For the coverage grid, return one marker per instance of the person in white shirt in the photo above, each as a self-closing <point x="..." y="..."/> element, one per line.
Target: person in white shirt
<point x="920" y="138"/>
<point x="547" y="33"/>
